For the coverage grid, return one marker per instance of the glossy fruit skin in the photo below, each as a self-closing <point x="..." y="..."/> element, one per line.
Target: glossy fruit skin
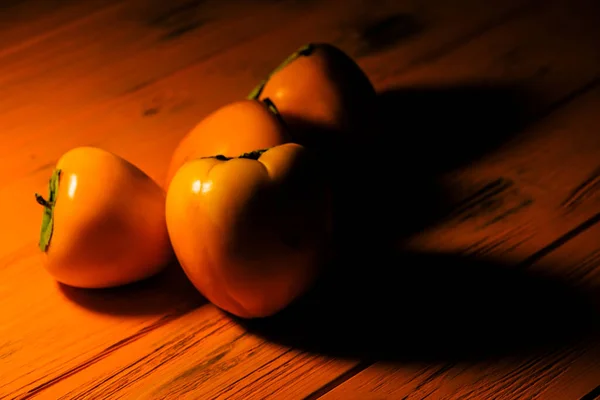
<point x="231" y="130"/>
<point x="109" y="222"/>
<point x="329" y="105"/>
<point x="323" y="96"/>
<point x="250" y="234"/>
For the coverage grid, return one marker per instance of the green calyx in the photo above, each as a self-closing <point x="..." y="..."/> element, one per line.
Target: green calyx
<point x="273" y="109"/>
<point x="252" y="155"/>
<point x="303" y="51"/>
<point x="48" y="216"/>
<point x="271" y="106"/>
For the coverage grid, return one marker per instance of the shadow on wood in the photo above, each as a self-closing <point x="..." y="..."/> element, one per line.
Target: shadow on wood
<point x="392" y="184"/>
<point x="165" y="292"/>
<point x="424" y="307"/>
<point x="437" y="129"/>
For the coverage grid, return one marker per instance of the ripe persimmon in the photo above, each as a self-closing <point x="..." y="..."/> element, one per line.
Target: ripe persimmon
<point x="321" y="94"/>
<point x="236" y="128"/>
<point x="250" y="232"/>
<point x="103" y="222"/>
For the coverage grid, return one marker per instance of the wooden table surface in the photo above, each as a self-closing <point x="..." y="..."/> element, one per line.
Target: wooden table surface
<point x="498" y="245"/>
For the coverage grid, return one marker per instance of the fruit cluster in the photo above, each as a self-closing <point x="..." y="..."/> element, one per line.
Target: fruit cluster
<point x="247" y="205"/>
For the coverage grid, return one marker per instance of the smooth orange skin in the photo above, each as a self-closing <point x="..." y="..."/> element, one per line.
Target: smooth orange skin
<point x="250" y="234"/>
<point x="236" y="128"/>
<point x="109" y="222"/>
<point x="323" y="97"/>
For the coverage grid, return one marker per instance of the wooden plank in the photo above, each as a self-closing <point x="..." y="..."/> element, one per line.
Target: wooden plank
<point x="181" y="360"/>
<point x="466" y="106"/>
<point x="564" y="367"/>
<point x="570" y="372"/>
<point x="544" y="180"/>
<point x="115" y="74"/>
<point x="202" y="355"/>
<point x="544" y="183"/>
<point x="457" y="108"/>
<point x="550" y="376"/>
<point x="290" y="378"/>
<point x="23" y="23"/>
<point x="104" y="98"/>
<point x="231" y="363"/>
<point x="88" y="62"/>
<point x="519" y="54"/>
<point x="30" y="355"/>
<point x="553" y="168"/>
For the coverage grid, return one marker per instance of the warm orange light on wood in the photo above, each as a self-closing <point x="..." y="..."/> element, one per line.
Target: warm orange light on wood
<point x="134" y="77"/>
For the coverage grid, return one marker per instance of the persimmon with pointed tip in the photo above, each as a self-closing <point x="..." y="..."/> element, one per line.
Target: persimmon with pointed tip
<point x="103" y="221"/>
<point x="236" y="128"/>
<point x="250" y="232"/>
<point x="322" y="94"/>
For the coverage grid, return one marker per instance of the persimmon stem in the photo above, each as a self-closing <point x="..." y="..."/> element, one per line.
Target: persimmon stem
<point x="42" y="201"/>
<point x="270" y="105"/>
<point x="305" y="50"/>
<point x="251" y="155"/>
<point x="48" y="214"/>
<point x="273" y="108"/>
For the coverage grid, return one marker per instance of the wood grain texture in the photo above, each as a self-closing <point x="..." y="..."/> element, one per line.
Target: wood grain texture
<point x="135" y="76"/>
<point x="534" y="187"/>
<point x="202" y="355"/>
<point x="562" y="372"/>
<point x="103" y="98"/>
<point x="535" y="174"/>
<point x="27" y="22"/>
<point x="558" y="375"/>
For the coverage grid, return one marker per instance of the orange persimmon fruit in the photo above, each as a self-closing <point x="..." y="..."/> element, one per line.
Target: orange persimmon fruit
<point x="321" y="94"/>
<point x="250" y="232"/>
<point x="103" y="221"/>
<point x="231" y="130"/>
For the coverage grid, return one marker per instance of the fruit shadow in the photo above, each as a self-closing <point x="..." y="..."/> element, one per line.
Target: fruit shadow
<point x="373" y="303"/>
<point x="166" y="292"/>
<point x="410" y="307"/>
<point x="393" y="180"/>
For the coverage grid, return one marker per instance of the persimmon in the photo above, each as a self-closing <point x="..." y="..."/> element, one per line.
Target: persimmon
<point x="103" y="221"/>
<point x="321" y="94"/>
<point x="236" y="128"/>
<point x="250" y="232"/>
